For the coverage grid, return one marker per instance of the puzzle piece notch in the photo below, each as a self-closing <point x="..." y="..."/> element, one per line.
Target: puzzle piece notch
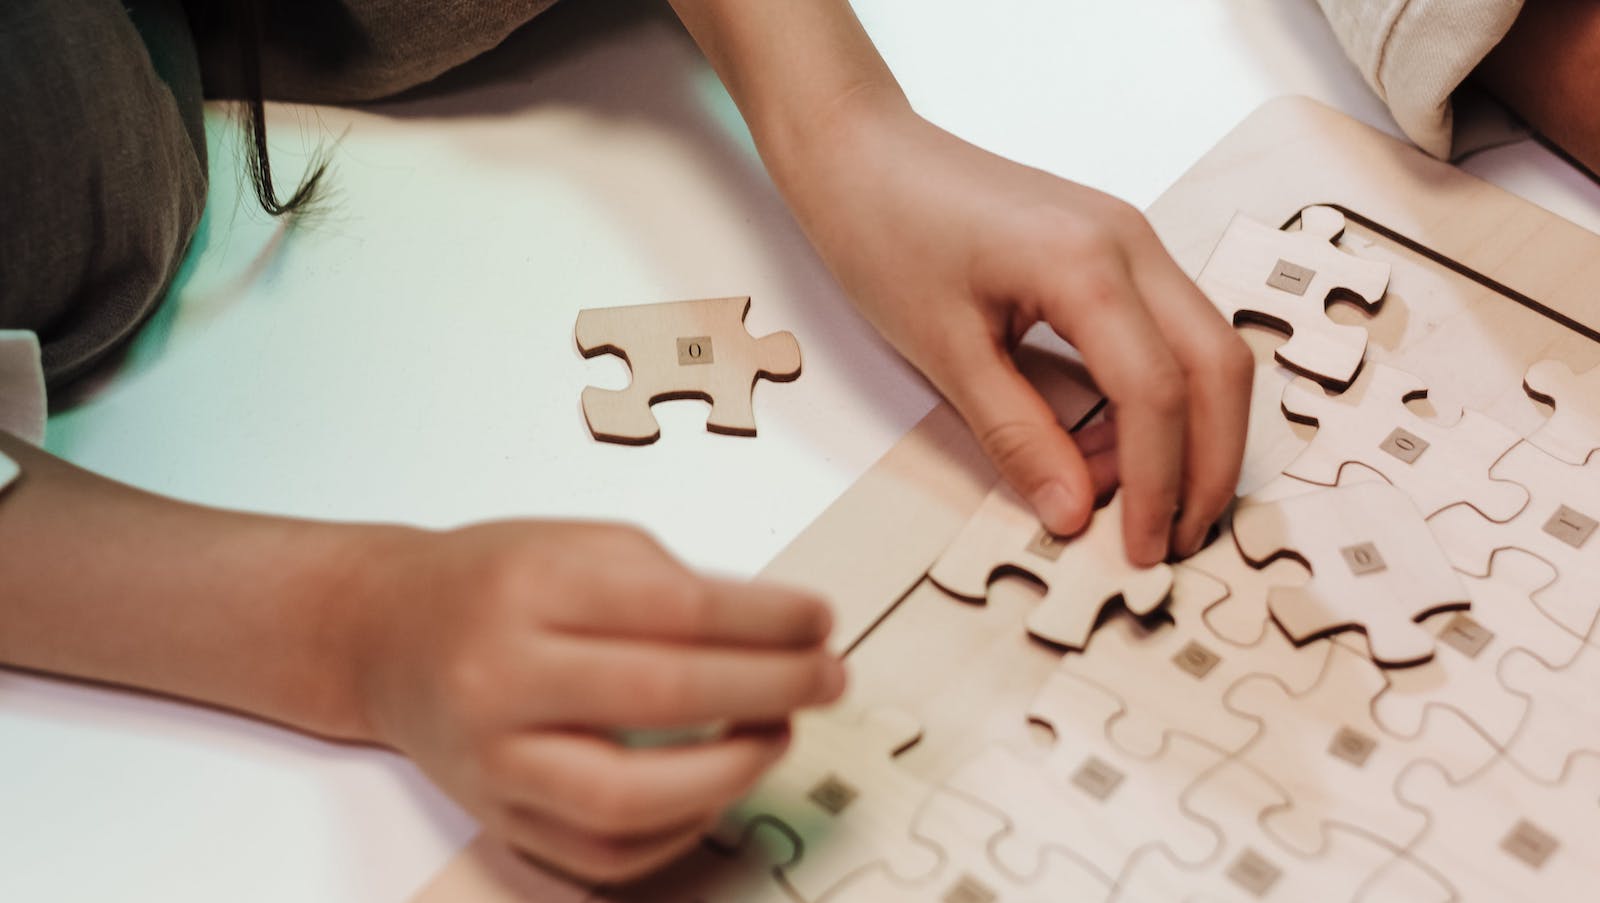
<point x="1285" y="280"/>
<point x="1374" y="568"/>
<point x="1334" y="762"/>
<point x="1572" y="433"/>
<point x="675" y="350"/>
<point x="1241" y="618"/>
<point x="1438" y="461"/>
<point x="1081" y="575"/>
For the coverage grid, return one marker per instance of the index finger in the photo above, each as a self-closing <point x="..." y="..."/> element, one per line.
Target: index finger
<point x="698" y="610"/>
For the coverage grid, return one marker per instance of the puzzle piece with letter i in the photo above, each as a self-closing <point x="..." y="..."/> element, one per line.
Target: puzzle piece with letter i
<point x="1285" y="280"/>
<point x="1374" y="567"/>
<point x="680" y="349"/>
<point x="1080" y="574"/>
<point x="1573" y="431"/>
<point x="1437" y="461"/>
<point x="1499" y="836"/>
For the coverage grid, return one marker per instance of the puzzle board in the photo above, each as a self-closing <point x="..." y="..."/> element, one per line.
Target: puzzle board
<point x="1204" y="752"/>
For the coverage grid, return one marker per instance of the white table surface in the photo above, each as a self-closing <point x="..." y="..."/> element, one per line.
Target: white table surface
<point x="408" y="356"/>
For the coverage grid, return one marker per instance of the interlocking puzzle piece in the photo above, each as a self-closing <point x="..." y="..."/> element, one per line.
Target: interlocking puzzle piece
<point x="840" y="793"/>
<point x="1334" y="761"/>
<point x="1241" y="617"/>
<point x="1564" y="711"/>
<point x="680" y="349"/>
<point x="1465" y="674"/>
<point x="1437" y="461"/>
<point x="1374" y="567"/>
<point x="1500" y="836"/>
<point x="1080" y="574"/>
<point x="1171" y="678"/>
<point x="1253" y="866"/>
<point x="962" y="829"/>
<point x="1285" y="280"/>
<point x="1271" y="440"/>
<point x="1558" y="525"/>
<point x="1573" y="432"/>
<point x="1085" y="797"/>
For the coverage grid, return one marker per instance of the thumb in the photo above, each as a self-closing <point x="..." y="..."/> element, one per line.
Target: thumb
<point x="1020" y="434"/>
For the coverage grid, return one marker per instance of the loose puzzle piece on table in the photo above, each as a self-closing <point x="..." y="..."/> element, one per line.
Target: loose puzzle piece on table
<point x="680" y="349"/>
<point x="1334" y="761"/>
<point x="1081" y="574"/>
<point x="1558" y="525"/>
<point x="840" y="794"/>
<point x="1086" y="798"/>
<point x="1437" y="461"/>
<point x="1253" y="866"/>
<point x="1374" y="567"/>
<point x="1573" y="432"/>
<point x="1499" y="836"/>
<point x="1171" y="678"/>
<point x="1465" y="673"/>
<point x="1563" y="720"/>
<point x="963" y="830"/>
<point x="1285" y="280"/>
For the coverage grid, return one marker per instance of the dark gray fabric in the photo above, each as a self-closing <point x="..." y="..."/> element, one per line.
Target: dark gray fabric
<point x="102" y="177"/>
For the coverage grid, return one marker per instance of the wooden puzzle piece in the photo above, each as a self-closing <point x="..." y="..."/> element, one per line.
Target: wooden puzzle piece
<point x="842" y="796"/>
<point x="1563" y="720"/>
<point x="1437" y="461"/>
<point x="1253" y="866"/>
<point x="1500" y="836"/>
<point x="963" y="829"/>
<point x="1374" y="567"/>
<point x="1465" y="674"/>
<point x="1558" y="525"/>
<point x="680" y="349"/>
<point x="1334" y="761"/>
<point x="1271" y="440"/>
<point x="1080" y="574"/>
<point x="1171" y="678"/>
<point x="1572" y="433"/>
<point x="1285" y="280"/>
<point x="1241" y="617"/>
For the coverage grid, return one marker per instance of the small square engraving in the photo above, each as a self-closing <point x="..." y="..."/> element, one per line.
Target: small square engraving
<point x="1570" y="526"/>
<point x="1352" y="746"/>
<point x="1291" y="277"/>
<point x="968" y="889"/>
<point x="832" y="794"/>
<point x="1363" y="558"/>
<point x="1408" y="447"/>
<point x="1466" y="636"/>
<point x="1196" y="660"/>
<point x="1254" y="873"/>
<point x="694" y="349"/>
<point x="1097" y="779"/>
<point x="1047" y="545"/>
<point x="1529" y="843"/>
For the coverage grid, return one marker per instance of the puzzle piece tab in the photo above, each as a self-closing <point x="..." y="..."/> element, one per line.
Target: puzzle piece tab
<point x="1080" y="574"/>
<point x="680" y="349"/>
<point x="1437" y="461"/>
<point x="1374" y="567"/>
<point x="1573" y="432"/>
<point x="1563" y="713"/>
<point x="1284" y="280"/>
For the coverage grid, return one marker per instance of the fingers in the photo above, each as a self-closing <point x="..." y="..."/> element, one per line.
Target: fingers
<point x="1098" y="444"/>
<point x="1096" y="306"/>
<point x="624" y="683"/>
<point x="678" y="606"/>
<point x="597" y="859"/>
<point x="1218" y="370"/>
<point x="1020" y="434"/>
<point x="597" y="787"/>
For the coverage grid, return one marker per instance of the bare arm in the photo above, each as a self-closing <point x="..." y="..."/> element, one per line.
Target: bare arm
<point x="1548" y="70"/>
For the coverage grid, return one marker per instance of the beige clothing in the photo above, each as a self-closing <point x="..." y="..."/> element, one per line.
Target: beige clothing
<point x="1416" y="53"/>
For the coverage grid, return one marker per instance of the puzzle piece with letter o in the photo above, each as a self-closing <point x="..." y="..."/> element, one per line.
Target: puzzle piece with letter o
<point x="680" y="349"/>
<point x="1285" y="280"/>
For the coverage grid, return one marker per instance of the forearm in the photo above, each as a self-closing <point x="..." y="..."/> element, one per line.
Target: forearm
<point x="1548" y="70"/>
<point x="105" y="582"/>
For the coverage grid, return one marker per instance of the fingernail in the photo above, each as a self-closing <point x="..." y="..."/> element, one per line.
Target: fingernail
<point x="1056" y="508"/>
<point x="833" y="680"/>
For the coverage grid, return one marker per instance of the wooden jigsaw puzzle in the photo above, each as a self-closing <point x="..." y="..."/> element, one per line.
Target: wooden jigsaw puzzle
<point x="1380" y="682"/>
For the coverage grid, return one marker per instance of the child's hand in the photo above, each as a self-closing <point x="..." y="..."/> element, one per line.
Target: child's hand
<point x="953" y="253"/>
<point x="502" y="658"/>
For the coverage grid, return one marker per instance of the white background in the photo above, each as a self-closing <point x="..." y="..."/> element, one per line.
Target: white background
<point x="408" y="356"/>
